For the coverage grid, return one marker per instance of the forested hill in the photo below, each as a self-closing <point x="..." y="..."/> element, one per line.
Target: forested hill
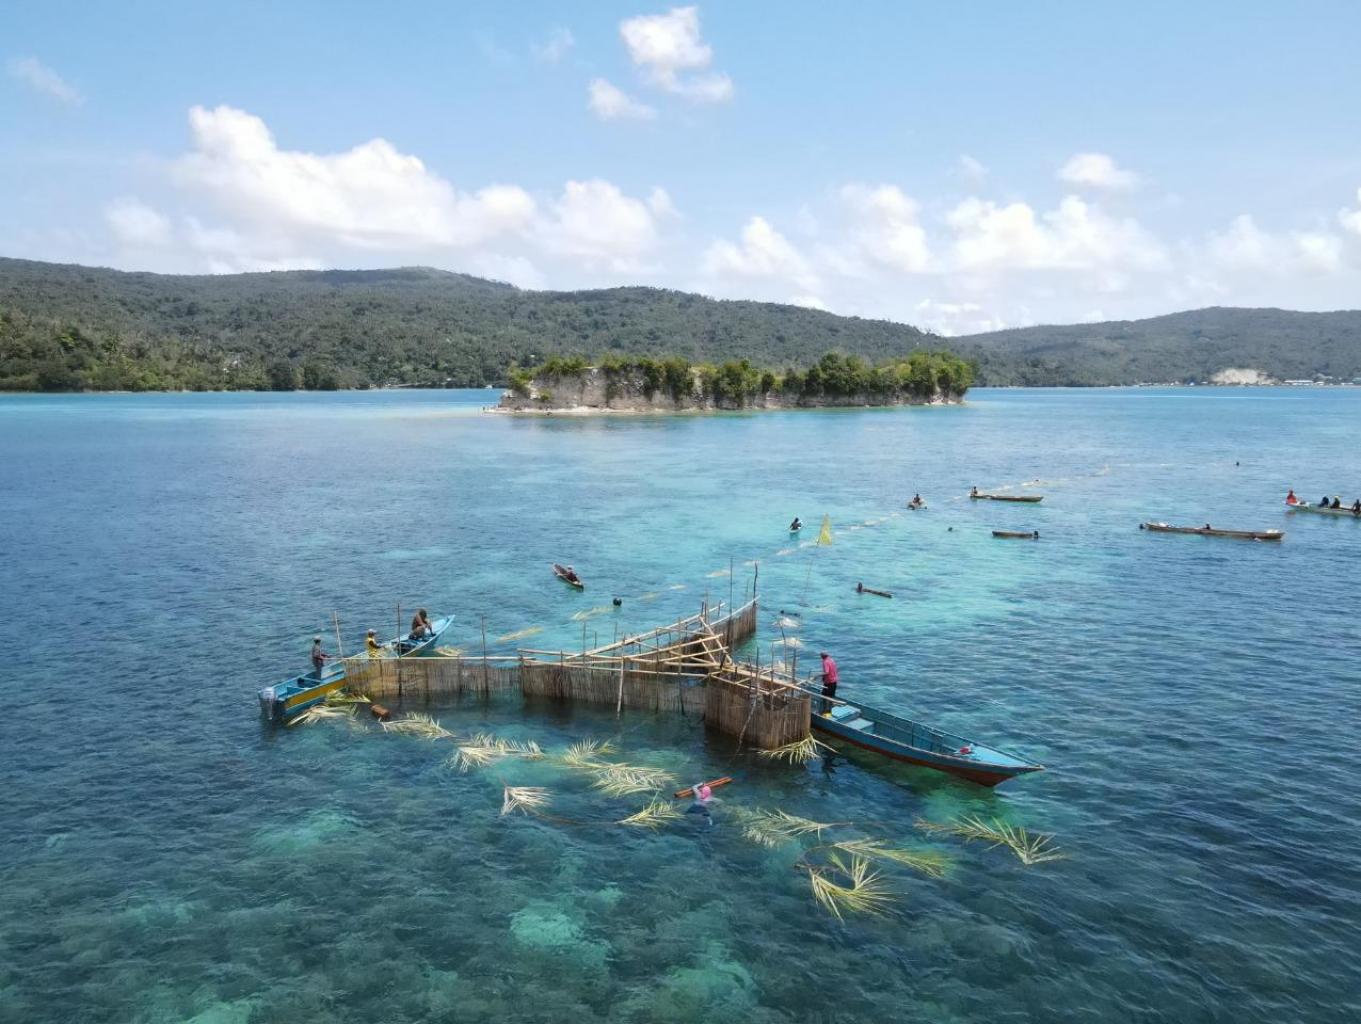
<point x="68" y="327"/>
<point x="64" y="327"/>
<point x="1180" y="347"/>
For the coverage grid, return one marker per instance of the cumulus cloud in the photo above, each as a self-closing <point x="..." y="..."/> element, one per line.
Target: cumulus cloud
<point x="672" y="55"/>
<point x="1244" y="246"/>
<point x="950" y="319"/>
<point x="762" y="252"/>
<point x="1075" y="236"/>
<point x="596" y="222"/>
<point x="371" y="196"/>
<point x="809" y="302"/>
<point x="1349" y="218"/>
<point x="610" y="103"/>
<point x="40" y="78"/>
<point x="558" y="44"/>
<point x="137" y="225"/>
<point x="886" y="229"/>
<point x="1096" y="170"/>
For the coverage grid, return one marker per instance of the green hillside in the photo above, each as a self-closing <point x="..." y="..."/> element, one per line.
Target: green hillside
<point x="64" y="327"/>
<point x="68" y="327"/>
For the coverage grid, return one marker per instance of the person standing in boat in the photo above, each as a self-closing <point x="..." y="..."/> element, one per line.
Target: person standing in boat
<point x="372" y="645"/>
<point x="319" y="657"/>
<point x="420" y="625"/>
<point x="973" y="492"/>
<point x="830" y="677"/>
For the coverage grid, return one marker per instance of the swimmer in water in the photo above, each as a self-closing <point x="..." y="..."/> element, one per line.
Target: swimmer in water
<point x="703" y="796"/>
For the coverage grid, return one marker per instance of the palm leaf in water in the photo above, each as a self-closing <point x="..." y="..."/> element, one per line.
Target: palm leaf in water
<point x="775" y="828"/>
<point x="586" y="753"/>
<point x="841" y="888"/>
<point x="626" y="779"/>
<point x="799" y="752"/>
<point x="654" y="815"/>
<point x="1029" y="847"/>
<point x="931" y="863"/>
<point x="418" y="725"/>
<point x="523" y="798"/>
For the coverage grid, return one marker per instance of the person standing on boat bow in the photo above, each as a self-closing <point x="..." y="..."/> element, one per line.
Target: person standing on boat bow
<point x="319" y="657"/>
<point x="830" y="677"/>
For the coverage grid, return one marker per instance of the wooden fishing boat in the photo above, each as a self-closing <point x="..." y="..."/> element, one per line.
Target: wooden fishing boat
<point x="916" y="507"/>
<point x="282" y="701"/>
<point x="860" y="588"/>
<point x="1208" y="531"/>
<point x="1017" y="534"/>
<point x="1304" y="506"/>
<point x="1028" y="498"/>
<point x="408" y="648"/>
<point x="914" y="743"/>
<point x="562" y="573"/>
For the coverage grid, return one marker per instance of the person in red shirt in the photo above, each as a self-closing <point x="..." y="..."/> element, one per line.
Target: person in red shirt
<point x="830" y="677"/>
<point x="1290" y="498"/>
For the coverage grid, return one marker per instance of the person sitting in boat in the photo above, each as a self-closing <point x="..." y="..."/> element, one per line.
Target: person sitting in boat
<point x="1325" y="503"/>
<point x="917" y="501"/>
<point x="372" y="645"/>
<point x="796" y="525"/>
<point x="319" y="657"/>
<point x="420" y="625"/>
<point x="1290" y="498"/>
<point x="572" y="575"/>
<point x="973" y="492"/>
<point x="860" y="588"/>
<point x="1356" y="507"/>
<point x="1337" y="501"/>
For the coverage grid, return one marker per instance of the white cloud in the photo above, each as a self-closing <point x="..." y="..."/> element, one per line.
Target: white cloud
<point x="516" y="270"/>
<point x="809" y="302"/>
<point x="559" y="42"/>
<point x="672" y="55"/>
<point x="42" y="79"/>
<point x="1351" y="219"/>
<point x="1244" y="246"/>
<point x="371" y="196"/>
<point x="137" y="225"/>
<point x="1096" y="170"/>
<point x="610" y="103"/>
<point x="659" y="201"/>
<point x="595" y="221"/>
<point x="887" y="230"/>
<point x="973" y="170"/>
<point x="762" y="253"/>
<point x="1076" y="236"/>
<point x="950" y="319"/>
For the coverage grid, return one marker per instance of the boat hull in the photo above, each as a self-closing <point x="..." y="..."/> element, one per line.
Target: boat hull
<point x="561" y="573"/>
<point x="976" y="769"/>
<point x="1030" y="499"/>
<point x="284" y="701"/>
<point x="1016" y="535"/>
<point x="1304" y="506"/>
<point x="1201" y="531"/>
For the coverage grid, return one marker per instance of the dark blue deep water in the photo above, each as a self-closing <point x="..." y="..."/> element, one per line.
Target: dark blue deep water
<point x="164" y="858"/>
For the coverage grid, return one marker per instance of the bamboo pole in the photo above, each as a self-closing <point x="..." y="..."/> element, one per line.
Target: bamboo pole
<point x="484" y="652"/>
<point x="397" y="648"/>
<point x="340" y="652"/>
<point x="619" y="704"/>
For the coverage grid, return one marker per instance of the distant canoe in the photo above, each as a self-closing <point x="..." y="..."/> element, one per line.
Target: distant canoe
<point x="562" y="573"/>
<point x="1304" y="506"/>
<point x="1031" y="498"/>
<point x="915" y="507"/>
<point x="1206" y="531"/>
<point x="1017" y="534"/>
<point x="860" y="588"/>
<point x="914" y="743"/>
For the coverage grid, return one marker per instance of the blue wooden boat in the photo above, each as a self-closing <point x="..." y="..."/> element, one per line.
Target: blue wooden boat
<point x="284" y="701"/>
<point x="914" y="743"/>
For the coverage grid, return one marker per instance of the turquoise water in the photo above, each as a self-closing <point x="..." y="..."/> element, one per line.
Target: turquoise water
<point x="165" y="858"/>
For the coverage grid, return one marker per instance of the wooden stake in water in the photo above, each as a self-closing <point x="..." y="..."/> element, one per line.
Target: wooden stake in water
<point x="397" y="650"/>
<point x="484" y="652"/>
<point x="340" y="651"/>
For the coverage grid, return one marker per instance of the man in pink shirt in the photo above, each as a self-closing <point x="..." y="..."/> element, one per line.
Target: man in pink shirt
<point x="830" y="677"/>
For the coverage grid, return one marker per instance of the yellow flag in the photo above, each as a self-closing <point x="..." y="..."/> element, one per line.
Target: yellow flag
<point x="825" y="534"/>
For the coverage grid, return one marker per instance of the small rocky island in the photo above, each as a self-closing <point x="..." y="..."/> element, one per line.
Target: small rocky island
<point x="572" y="385"/>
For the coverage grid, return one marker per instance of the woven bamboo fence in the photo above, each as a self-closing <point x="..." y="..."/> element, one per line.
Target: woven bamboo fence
<point x="431" y="679"/>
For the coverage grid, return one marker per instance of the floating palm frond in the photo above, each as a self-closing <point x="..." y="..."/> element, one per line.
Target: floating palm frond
<point x="1030" y="847"/>
<point x="346" y="697"/>
<point x="774" y="828"/>
<point x="798" y="752"/>
<point x="418" y="725"/>
<point x="625" y="779"/>
<point x="654" y="815"/>
<point x="523" y="798"/>
<point x="321" y="713"/>
<point x="931" y="863"/>
<point x="519" y="634"/>
<point x="840" y="887"/>
<point x="449" y="652"/>
<point x="483" y="748"/>
<point x="586" y="753"/>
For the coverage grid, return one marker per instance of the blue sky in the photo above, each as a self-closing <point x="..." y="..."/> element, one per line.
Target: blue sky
<point x="955" y="166"/>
